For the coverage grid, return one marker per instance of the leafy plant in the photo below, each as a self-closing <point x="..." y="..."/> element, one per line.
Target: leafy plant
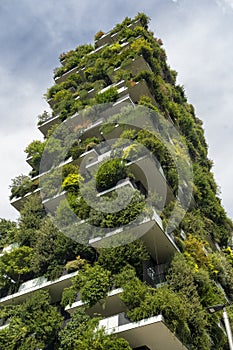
<point x="34" y="324"/>
<point x="110" y="95"/>
<point x="110" y="173"/>
<point x="83" y="333"/>
<point x="71" y="182"/>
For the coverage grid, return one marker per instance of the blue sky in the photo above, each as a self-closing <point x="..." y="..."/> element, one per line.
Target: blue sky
<point x="198" y="39"/>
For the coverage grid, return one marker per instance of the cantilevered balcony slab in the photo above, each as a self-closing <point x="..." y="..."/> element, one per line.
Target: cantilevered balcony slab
<point x="140" y="89"/>
<point x="18" y="203"/>
<point x="123" y="184"/>
<point x="26" y="289"/>
<point x="64" y="76"/>
<point x="160" y="244"/>
<point x="151" y="332"/>
<point x="146" y="170"/>
<point x="105" y="39"/>
<point x="136" y="66"/>
<point x="52" y="203"/>
<point x="149" y="172"/>
<point x="117" y="85"/>
<point x="47" y="125"/>
<point x="29" y="160"/>
<point x="110" y="38"/>
<point x="112" y="305"/>
<point x="4" y="326"/>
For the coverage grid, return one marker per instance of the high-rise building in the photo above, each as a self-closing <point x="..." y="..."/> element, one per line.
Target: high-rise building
<point x="121" y="227"/>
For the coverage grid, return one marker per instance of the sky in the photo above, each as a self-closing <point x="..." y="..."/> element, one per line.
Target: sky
<point x="198" y="39"/>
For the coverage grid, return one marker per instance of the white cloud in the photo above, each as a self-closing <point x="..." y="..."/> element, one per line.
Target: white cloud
<point x="225" y="4"/>
<point x="198" y="40"/>
<point x="200" y="49"/>
<point x="20" y="101"/>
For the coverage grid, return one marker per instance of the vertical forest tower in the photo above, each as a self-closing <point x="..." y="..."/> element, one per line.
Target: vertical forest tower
<point x="112" y="284"/>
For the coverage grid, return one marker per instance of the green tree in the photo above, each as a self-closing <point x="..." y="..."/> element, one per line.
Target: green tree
<point x="31" y="218"/>
<point x="35" y="150"/>
<point x="16" y="265"/>
<point x="116" y="258"/>
<point x="34" y="324"/>
<point x="8" y="232"/>
<point x="93" y="282"/>
<point x="53" y="249"/>
<point x="110" y="173"/>
<point x="83" y="333"/>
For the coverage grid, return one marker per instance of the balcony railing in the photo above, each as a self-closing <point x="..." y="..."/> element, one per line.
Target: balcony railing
<point x="48" y="123"/>
<point x="153" y="178"/>
<point x="135" y="66"/>
<point x="55" y="289"/>
<point x="160" y="244"/>
<point x="151" y="332"/>
<point x="153" y="274"/>
<point x="112" y="305"/>
<point x="19" y="202"/>
<point x="64" y="76"/>
<point x="110" y="38"/>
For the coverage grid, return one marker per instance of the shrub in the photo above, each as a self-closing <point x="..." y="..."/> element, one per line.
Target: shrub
<point x="110" y="173"/>
<point x="71" y="182"/>
<point x="98" y="35"/>
<point x="110" y="95"/>
<point x="93" y="282"/>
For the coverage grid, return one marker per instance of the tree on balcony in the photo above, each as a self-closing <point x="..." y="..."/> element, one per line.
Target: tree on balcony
<point x="16" y="266"/>
<point x="83" y="333"/>
<point x="33" y="324"/>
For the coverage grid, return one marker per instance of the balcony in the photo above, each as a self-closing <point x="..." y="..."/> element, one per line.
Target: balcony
<point x="135" y="66"/>
<point x="149" y="172"/>
<point x="118" y="85"/>
<point x="19" y="202"/>
<point x="105" y="39"/>
<point x="50" y="102"/>
<point x="29" y="160"/>
<point x="97" y="160"/>
<point x="64" y="76"/>
<point x="140" y="89"/>
<point x="151" y="332"/>
<point x="109" y="38"/>
<point x="154" y="275"/>
<point x="146" y="170"/>
<point x="52" y="203"/>
<point x="9" y="248"/>
<point x="4" y="326"/>
<point x="98" y="49"/>
<point x="160" y="244"/>
<point x="47" y="124"/>
<point x="112" y="305"/>
<point x="26" y="289"/>
<point x="123" y="183"/>
<point x="124" y="100"/>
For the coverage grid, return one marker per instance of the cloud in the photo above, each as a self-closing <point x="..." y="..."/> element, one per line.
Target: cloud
<point x="20" y="101"/>
<point x="198" y="41"/>
<point x="225" y="4"/>
<point x="200" y="49"/>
